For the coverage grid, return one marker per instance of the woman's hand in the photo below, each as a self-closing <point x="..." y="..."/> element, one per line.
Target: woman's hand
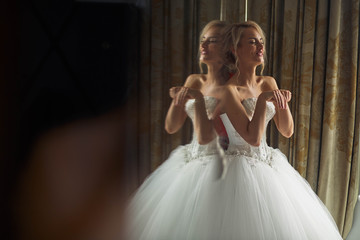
<point x="277" y="97"/>
<point x="182" y="94"/>
<point x="173" y="91"/>
<point x="286" y="94"/>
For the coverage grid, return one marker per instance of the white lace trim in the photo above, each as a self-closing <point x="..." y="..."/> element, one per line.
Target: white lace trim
<point x="253" y="158"/>
<point x="253" y="154"/>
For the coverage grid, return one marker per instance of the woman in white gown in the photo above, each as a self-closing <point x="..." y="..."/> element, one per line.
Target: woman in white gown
<point x="164" y="206"/>
<point x="261" y="196"/>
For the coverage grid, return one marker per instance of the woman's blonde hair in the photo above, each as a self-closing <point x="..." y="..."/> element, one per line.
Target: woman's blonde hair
<point x="232" y="38"/>
<point x="212" y="24"/>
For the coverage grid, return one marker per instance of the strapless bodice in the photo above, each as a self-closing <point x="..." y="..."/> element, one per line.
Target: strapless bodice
<point x="195" y="149"/>
<point x="237" y="145"/>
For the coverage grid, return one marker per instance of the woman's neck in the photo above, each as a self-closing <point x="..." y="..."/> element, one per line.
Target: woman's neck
<point x="216" y="74"/>
<point x="247" y="75"/>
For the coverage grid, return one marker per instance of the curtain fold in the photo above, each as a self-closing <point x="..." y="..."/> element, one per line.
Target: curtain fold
<point x="338" y="167"/>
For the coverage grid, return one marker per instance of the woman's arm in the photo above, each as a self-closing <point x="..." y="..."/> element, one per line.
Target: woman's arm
<point x="283" y="117"/>
<point x="176" y="115"/>
<point x="250" y="130"/>
<point x="175" y="118"/>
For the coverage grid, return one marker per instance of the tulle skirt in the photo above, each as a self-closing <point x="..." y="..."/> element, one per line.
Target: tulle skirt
<point x="183" y="199"/>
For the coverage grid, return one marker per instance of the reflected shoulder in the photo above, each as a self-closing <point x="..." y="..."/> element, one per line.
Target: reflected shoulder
<point x="195" y="81"/>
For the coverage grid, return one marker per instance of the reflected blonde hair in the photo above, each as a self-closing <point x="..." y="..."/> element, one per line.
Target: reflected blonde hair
<point x="232" y="38"/>
<point x="212" y="24"/>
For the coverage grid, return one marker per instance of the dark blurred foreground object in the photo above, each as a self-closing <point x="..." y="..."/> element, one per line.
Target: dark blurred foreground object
<point x="68" y="68"/>
<point x="78" y="59"/>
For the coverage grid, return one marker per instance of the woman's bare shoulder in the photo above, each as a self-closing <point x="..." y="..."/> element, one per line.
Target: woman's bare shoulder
<point x="195" y="81"/>
<point x="268" y="83"/>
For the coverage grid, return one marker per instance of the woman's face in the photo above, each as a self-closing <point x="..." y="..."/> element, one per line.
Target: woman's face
<point x="251" y="48"/>
<point x="210" y="47"/>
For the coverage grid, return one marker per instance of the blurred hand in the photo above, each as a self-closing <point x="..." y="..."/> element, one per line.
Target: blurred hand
<point x="182" y="94"/>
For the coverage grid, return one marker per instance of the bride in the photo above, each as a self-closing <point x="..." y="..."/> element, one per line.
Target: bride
<point x="165" y="205"/>
<point x="261" y="196"/>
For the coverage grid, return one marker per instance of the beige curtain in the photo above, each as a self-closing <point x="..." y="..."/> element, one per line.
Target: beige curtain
<point x="312" y="50"/>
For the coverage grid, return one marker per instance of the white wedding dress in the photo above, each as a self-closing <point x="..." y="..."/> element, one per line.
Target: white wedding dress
<point x="261" y="196"/>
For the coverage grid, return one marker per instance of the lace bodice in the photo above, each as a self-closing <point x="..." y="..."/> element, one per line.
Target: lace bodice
<point x="195" y="149"/>
<point x="210" y="104"/>
<point x="237" y="145"/>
